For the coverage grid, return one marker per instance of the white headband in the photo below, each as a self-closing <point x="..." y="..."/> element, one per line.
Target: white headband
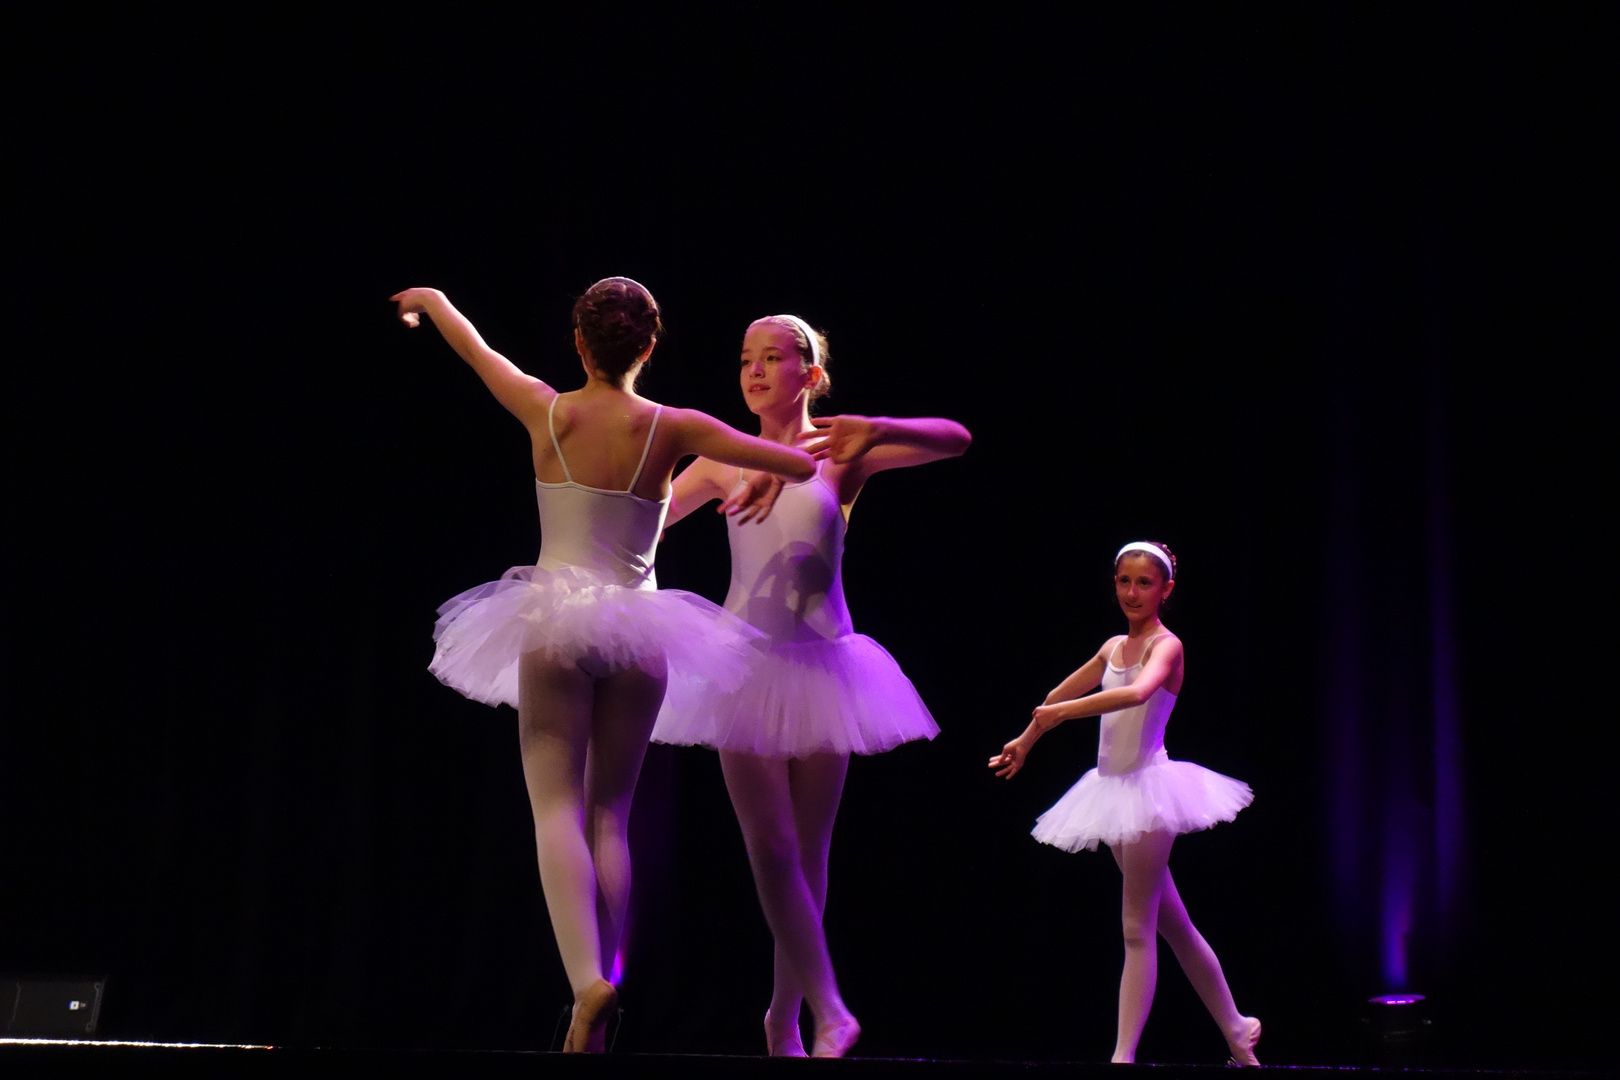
<point x="633" y="281"/>
<point x="809" y="334"/>
<point x="1148" y="549"/>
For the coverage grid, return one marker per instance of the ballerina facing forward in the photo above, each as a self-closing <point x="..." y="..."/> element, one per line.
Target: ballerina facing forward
<point x="1137" y="800"/>
<point x="818" y="691"/>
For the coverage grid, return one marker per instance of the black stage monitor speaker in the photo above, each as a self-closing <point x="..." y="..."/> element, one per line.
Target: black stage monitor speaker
<point x="51" y="1008"/>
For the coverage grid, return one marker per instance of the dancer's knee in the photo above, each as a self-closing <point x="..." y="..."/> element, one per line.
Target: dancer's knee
<point x="1138" y="931"/>
<point x="773" y="852"/>
<point x="609" y="829"/>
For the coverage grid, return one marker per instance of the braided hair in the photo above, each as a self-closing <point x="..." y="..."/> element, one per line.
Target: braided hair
<point x="618" y="320"/>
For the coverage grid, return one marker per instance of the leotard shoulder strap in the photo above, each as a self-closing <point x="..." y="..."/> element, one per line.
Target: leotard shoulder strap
<point x="551" y="429"/>
<point x="1147" y="646"/>
<point x="551" y="426"/>
<point x="1119" y="650"/>
<point x="650" y="432"/>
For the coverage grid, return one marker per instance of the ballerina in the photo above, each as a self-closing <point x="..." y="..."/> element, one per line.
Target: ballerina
<point x="583" y="643"/>
<point x="1137" y="800"/>
<point x="818" y="692"/>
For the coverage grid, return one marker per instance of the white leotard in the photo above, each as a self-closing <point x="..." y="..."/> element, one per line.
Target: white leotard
<point x="613" y="533"/>
<point x="787" y="571"/>
<point x="816" y="686"/>
<point x="591" y="600"/>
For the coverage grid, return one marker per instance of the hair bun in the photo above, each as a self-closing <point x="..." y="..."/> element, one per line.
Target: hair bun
<point x="618" y="320"/>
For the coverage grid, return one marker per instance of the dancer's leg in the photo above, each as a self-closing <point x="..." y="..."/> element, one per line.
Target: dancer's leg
<point x="1145" y="867"/>
<point x="583" y="740"/>
<point x="1203" y="969"/>
<point x="761" y="794"/>
<point x="815" y="787"/>
<point x="554" y="723"/>
<point x="626" y="705"/>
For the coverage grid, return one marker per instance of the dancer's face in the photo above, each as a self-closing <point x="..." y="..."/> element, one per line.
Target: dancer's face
<point x="1140" y="586"/>
<point x="774" y="375"/>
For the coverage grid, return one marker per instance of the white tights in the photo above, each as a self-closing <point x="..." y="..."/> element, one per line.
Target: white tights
<point x="786" y="807"/>
<point x="1152" y="906"/>
<point x="583" y="739"/>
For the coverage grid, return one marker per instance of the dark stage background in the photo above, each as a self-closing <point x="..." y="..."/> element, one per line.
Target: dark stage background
<point x="1294" y="289"/>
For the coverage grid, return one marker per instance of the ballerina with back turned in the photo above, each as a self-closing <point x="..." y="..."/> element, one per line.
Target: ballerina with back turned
<point x="583" y="644"/>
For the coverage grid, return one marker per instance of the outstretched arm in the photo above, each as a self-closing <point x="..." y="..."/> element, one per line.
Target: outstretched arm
<point x="523" y="395"/>
<point x="1062" y="704"/>
<point x="876" y="443"/>
<point x="703" y="435"/>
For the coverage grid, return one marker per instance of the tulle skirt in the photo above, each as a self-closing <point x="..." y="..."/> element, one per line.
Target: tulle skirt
<point x="573" y="616"/>
<point x="1163" y="795"/>
<point x="842" y="696"/>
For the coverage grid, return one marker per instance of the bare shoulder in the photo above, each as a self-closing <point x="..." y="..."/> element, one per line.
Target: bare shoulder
<point x="674" y="414"/>
<point x="1167" y="644"/>
<point x="685" y="422"/>
<point x="530" y="400"/>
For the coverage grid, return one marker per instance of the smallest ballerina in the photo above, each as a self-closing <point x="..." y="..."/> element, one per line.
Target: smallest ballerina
<point x="1137" y="800"/>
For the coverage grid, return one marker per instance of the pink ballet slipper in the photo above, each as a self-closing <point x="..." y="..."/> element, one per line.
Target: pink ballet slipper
<point x="783" y="1041"/>
<point x="587" y="1034"/>
<point x="1243" y="1046"/>
<point x="835" y="1039"/>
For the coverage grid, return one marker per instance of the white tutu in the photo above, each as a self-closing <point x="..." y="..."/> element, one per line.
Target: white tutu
<point x="1163" y="795"/>
<point x="575" y="616"/>
<point x="842" y="696"/>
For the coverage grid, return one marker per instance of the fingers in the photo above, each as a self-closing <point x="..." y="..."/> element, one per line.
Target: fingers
<point x="822" y="421"/>
<point x="758" y="512"/>
<point x="408" y="316"/>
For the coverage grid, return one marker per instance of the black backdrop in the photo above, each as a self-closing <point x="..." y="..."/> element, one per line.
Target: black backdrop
<point x="1296" y="290"/>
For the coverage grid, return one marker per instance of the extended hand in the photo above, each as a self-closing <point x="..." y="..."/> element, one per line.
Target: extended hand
<point x="1010" y="760"/>
<point x="413" y="304"/>
<point x="753" y="499"/>
<point x="848" y="437"/>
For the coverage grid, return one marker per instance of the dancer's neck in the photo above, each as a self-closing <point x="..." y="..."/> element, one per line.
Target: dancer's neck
<point x="788" y="429"/>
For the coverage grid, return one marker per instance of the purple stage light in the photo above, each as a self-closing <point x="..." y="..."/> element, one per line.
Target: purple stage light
<point x="1399" y="856"/>
<point x="1397" y="1027"/>
<point x="617" y="974"/>
<point x="1396" y="999"/>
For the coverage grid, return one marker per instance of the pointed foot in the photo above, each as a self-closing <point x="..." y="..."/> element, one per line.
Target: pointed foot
<point x="834" y="1040"/>
<point x="587" y="1034"/>
<point x="783" y="1040"/>
<point x="1242" y="1043"/>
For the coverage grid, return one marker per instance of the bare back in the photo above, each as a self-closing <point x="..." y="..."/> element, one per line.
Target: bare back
<point x="603" y="436"/>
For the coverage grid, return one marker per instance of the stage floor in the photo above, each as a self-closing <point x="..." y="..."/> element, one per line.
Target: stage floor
<point x="118" y="1060"/>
